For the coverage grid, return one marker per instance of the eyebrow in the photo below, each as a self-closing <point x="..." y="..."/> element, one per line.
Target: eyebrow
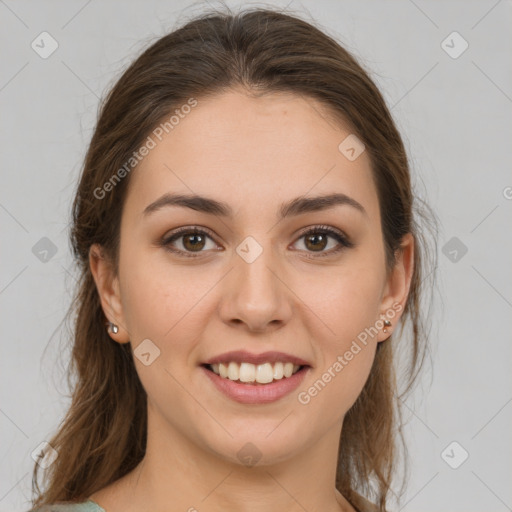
<point x="296" y="206"/>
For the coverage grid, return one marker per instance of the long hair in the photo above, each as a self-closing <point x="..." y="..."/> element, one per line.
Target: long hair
<point x="103" y="434"/>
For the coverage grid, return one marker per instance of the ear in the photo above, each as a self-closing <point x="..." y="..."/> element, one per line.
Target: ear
<point x="397" y="286"/>
<point x="107" y="284"/>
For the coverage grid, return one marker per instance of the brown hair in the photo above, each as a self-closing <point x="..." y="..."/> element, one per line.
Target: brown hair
<point x="103" y="434"/>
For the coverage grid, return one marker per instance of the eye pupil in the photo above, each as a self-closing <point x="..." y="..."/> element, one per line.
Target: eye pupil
<point x="186" y="238"/>
<point x="316" y="237"/>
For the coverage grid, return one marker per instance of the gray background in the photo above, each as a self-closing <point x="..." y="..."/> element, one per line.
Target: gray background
<point x="454" y="114"/>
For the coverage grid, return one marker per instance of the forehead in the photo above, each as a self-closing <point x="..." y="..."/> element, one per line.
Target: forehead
<point x="252" y="152"/>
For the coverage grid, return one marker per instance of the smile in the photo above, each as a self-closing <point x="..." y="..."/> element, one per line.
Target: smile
<point x="250" y="373"/>
<point x="253" y="392"/>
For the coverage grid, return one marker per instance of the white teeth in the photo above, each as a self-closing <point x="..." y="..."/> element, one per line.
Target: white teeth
<point x="246" y="373"/>
<point x="262" y="373"/>
<point x="278" y="371"/>
<point x="233" y="371"/>
<point x="288" y="369"/>
<point x="223" y="370"/>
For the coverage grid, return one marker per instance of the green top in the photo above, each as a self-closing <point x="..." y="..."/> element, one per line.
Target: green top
<point x="84" y="506"/>
<point x="361" y="505"/>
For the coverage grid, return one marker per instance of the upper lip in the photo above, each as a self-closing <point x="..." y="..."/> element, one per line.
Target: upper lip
<point x="242" y="356"/>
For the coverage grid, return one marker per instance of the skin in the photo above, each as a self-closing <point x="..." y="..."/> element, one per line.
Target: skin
<point x="253" y="154"/>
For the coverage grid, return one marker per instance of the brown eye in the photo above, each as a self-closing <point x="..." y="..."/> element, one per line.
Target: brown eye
<point x="188" y="242"/>
<point x="193" y="242"/>
<point x="316" y="240"/>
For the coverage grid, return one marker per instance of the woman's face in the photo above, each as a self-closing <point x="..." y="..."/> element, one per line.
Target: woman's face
<point x="251" y="280"/>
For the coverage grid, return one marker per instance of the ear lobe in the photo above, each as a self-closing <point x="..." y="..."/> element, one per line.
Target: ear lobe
<point x="398" y="283"/>
<point x="107" y="285"/>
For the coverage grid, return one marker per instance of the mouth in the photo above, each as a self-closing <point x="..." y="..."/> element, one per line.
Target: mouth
<point x="255" y="374"/>
<point x="262" y="384"/>
<point x="251" y="378"/>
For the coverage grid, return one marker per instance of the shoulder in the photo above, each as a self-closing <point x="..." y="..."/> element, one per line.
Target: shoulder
<point x="83" y="506"/>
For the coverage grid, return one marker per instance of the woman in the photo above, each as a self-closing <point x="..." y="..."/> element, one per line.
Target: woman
<point x="247" y="246"/>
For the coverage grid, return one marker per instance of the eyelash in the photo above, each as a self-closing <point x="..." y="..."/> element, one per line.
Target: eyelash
<point x="344" y="242"/>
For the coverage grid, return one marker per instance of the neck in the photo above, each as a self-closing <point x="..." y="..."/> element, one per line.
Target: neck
<point x="179" y="474"/>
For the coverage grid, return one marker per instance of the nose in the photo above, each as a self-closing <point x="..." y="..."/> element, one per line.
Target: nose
<point x="255" y="295"/>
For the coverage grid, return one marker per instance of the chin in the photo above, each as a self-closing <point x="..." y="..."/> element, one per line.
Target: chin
<point x="251" y="446"/>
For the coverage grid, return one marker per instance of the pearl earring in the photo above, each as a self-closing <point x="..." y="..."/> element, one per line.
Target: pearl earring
<point x="112" y="327"/>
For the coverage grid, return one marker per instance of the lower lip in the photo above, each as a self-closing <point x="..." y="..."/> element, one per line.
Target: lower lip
<point x="257" y="393"/>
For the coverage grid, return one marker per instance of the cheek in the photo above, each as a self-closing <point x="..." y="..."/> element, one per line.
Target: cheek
<point x="349" y="307"/>
<point x="348" y="301"/>
<point x="162" y="301"/>
<point x="336" y="384"/>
